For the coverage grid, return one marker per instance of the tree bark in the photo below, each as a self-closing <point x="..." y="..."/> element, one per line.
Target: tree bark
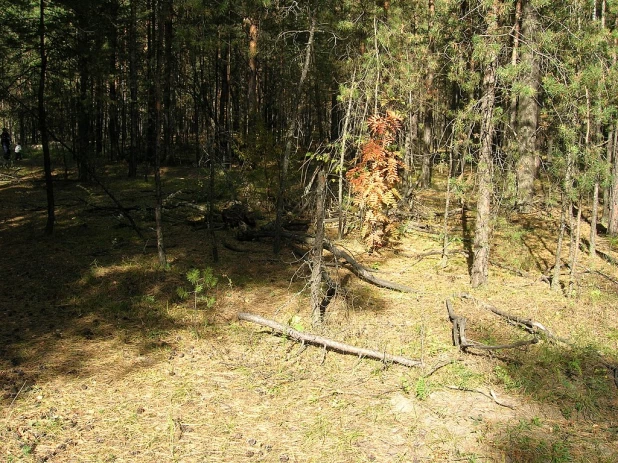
<point x="133" y="109"/>
<point x="594" y="219"/>
<point x="528" y="111"/>
<point x="113" y="95"/>
<point x="344" y="139"/>
<point x="49" y="185"/>
<point x="317" y="309"/>
<point x="482" y="228"/>
<point x="612" y="223"/>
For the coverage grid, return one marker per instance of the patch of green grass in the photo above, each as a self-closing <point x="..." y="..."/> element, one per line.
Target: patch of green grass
<point x="422" y="388"/>
<point x="462" y="376"/>
<point x="505" y="378"/>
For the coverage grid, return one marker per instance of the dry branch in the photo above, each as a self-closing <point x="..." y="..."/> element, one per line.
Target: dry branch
<point x="459" y="335"/>
<point x="529" y="325"/>
<point x="491" y="395"/>
<point x="360" y="271"/>
<point x="328" y="343"/>
<point x="363" y="273"/>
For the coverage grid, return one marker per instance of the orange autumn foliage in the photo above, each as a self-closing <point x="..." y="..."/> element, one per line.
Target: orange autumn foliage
<point x="374" y="179"/>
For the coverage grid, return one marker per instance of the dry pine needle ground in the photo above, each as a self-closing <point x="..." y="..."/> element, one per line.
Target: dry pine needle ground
<point x="100" y="361"/>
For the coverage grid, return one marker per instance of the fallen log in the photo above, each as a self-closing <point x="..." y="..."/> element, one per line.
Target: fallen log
<point x="328" y="343"/>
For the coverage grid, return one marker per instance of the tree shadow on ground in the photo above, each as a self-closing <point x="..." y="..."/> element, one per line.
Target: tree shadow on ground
<point x="579" y="385"/>
<point x="93" y="287"/>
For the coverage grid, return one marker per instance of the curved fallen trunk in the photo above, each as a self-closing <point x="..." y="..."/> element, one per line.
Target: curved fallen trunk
<point x="328" y="343"/>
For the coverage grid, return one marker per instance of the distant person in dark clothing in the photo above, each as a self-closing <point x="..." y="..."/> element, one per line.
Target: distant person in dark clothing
<point x="6" y="143"/>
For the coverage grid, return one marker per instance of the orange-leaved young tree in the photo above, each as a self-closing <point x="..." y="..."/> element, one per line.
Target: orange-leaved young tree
<point x="374" y="179"/>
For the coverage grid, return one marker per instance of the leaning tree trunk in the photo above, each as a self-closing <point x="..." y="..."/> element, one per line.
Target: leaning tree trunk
<point x="51" y="215"/>
<point x="528" y="112"/>
<point x="285" y="160"/>
<point x="482" y="228"/>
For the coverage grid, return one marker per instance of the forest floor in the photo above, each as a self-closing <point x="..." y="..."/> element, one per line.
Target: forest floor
<point x="101" y="361"/>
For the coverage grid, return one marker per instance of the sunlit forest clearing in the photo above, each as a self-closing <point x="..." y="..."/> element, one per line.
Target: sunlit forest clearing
<point x="102" y="360"/>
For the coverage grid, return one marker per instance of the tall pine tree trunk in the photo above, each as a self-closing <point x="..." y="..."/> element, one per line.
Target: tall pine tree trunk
<point x="51" y="214"/>
<point x="114" y="136"/>
<point x="133" y="115"/>
<point x="482" y="227"/>
<point x="528" y="111"/>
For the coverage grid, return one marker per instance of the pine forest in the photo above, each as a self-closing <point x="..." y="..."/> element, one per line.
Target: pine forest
<point x="309" y="231"/>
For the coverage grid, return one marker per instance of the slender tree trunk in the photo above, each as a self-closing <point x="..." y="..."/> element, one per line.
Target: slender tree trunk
<point x="555" y="281"/>
<point x="293" y="122"/>
<point x="344" y="140"/>
<point x="575" y="241"/>
<point x="156" y="63"/>
<point x="482" y="227"/>
<point x="51" y="214"/>
<point x="612" y="223"/>
<point x="594" y="219"/>
<point x="444" y="261"/>
<point x="113" y="96"/>
<point x="252" y="85"/>
<point x="514" y="59"/>
<point x="424" y="180"/>
<point x="133" y="117"/>
<point x="528" y="112"/>
<point x="317" y="310"/>
<point x="211" y="211"/>
<point x="168" y="113"/>
<point x="83" y="117"/>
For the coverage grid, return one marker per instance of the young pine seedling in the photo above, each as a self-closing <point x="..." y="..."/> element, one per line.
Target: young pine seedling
<point x="201" y="283"/>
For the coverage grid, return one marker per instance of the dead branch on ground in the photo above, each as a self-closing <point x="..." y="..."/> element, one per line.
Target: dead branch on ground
<point x="459" y="334"/>
<point x="328" y="343"/>
<point x="359" y="270"/>
<point x="491" y="395"/>
<point x="529" y="325"/>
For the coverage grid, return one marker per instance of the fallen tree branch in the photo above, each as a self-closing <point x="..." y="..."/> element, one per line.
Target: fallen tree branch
<point x="328" y="343"/>
<point x="363" y="273"/>
<point x="459" y="335"/>
<point x="604" y="275"/>
<point x="529" y="325"/>
<point x="359" y="270"/>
